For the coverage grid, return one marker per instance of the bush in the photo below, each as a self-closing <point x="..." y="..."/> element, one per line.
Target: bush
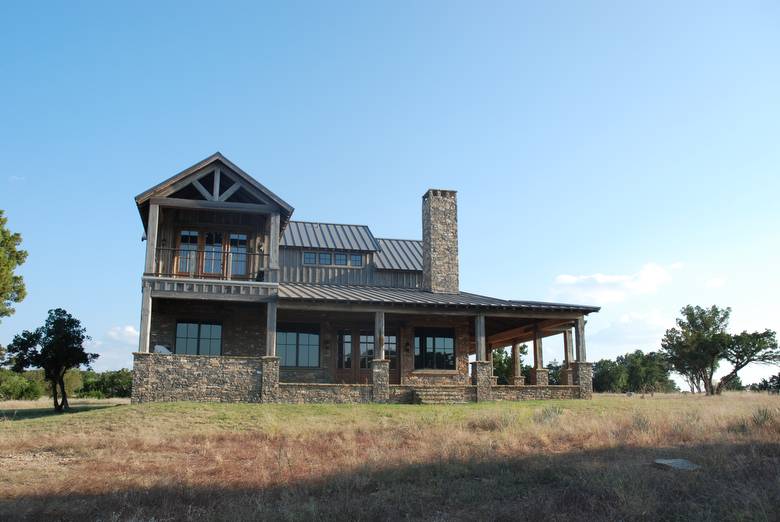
<point x="106" y="384"/>
<point x="16" y="387"/>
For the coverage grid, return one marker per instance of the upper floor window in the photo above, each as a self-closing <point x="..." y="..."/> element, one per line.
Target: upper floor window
<point x="356" y="259"/>
<point x="198" y="339"/>
<point x="239" y="248"/>
<point x="309" y="258"/>
<point x="298" y="346"/>
<point x="212" y="253"/>
<point x="332" y="259"/>
<point x="434" y="348"/>
<point x="340" y="259"/>
<point x="188" y="250"/>
<point x="325" y="258"/>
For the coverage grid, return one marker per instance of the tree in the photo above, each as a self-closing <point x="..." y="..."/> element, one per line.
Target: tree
<point x="55" y="347"/>
<point x="502" y="363"/>
<point x="700" y="343"/>
<point x="609" y="376"/>
<point x="746" y="348"/>
<point x="734" y="384"/>
<point x="554" y="372"/>
<point x="646" y="373"/>
<point x="12" y="288"/>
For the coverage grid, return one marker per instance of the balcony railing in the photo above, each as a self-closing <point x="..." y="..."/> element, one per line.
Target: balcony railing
<point x="211" y="263"/>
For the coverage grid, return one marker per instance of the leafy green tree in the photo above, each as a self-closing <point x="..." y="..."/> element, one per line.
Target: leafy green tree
<point x="746" y="348"/>
<point x="502" y="363"/>
<point x="12" y="288"/>
<point x="696" y="348"/>
<point x="106" y="384"/>
<point x="55" y="347"/>
<point x="609" y="376"/>
<point x="554" y="372"/>
<point x="734" y="384"/>
<point x="16" y="387"/>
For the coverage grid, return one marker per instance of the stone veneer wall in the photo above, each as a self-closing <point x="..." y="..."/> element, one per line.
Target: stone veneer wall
<point x="161" y="378"/>
<point x="523" y="393"/>
<point x="440" y="241"/>
<point x="243" y="324"/>
<point x="324" y="393"/>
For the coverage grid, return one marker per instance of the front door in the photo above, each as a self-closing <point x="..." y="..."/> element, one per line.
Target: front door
<point x="355" y="353"/>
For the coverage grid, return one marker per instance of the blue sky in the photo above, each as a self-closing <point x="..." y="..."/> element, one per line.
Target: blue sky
<point x="614" y="153"/>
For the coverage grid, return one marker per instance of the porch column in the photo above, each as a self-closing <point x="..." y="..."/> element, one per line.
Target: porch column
<point x="579" y="337"/>
<point x="146" y="318"/>
<point x="270" y="329"/>
<point x="273" y="248"/>
<point x="582" y="371"/>
<point x="379" y="335"/>
<point x="539" y="375"/>
<point x="380" y="367"/>
<point x="269" y="363"/>
<point x="152" y="224"/>
<point x="568" y="358"/>
<point x="517" y="368"/>
<point x="481" y="369"/>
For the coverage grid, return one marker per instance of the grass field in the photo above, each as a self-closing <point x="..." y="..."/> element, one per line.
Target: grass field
<point x="558" y="460"/>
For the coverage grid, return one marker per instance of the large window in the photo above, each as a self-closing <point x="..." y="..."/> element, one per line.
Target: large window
<point x="391" y="350"/>
<point x="366" y="349"/>
<point x="198" y="339"/>
<point x="345" y="349"/>
<point x="434" y="348"/>
<point x="188" y="251"/>
<point x="238" y="254"/>
<point x="212" y="253"/>
<point x="298" y="346"/>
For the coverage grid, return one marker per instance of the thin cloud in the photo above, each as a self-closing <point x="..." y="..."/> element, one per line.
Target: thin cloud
<point x="613" y="288"/>
<point x="126" y="334"/>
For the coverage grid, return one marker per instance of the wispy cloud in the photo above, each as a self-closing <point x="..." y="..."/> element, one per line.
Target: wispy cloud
<point x="613" y="288"/>
<point x="126" y="334"/>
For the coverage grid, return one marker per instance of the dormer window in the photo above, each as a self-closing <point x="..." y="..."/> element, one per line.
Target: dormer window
<point x="340" y="259"/>
<point x="325" y="258"/>
<point x="356" y="260"/>
<point x="309" y="258"/>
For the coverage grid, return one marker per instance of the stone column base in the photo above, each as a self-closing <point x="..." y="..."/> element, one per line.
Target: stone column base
<point x="269" y="379"/>
<point x="518" y="381"/>
<point x="540" y="377"/>
<point x="481" y="377"/>
<point x="567" y="376"/>
<point x="380" y="377"/>
<point x="582" y="373"/>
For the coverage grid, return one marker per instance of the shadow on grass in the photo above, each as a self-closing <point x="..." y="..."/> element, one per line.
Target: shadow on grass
<point x="736" y="482"/>
<point x="13" y="414"/>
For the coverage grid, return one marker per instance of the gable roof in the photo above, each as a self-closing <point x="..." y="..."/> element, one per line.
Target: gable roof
<point x="399" y="254"/>
<point x="217" y="157"/>
<point x="305" y="234"/>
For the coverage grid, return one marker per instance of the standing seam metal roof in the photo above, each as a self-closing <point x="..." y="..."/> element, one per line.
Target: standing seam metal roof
<point x="304" y="234"/>
<point x="399" y="254"/>
<point x="409" y="296"/>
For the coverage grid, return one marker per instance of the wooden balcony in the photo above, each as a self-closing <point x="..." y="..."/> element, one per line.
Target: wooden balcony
<point x="211" y="274"/>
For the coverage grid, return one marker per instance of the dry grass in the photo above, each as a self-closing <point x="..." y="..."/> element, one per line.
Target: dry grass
<point x="552" y="460"/>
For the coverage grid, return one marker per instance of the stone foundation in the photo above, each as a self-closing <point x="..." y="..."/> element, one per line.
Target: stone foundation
<point x="160" y="378"/>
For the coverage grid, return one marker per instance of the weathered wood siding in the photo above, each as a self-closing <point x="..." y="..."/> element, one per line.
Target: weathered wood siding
<point x="293" y="270"/>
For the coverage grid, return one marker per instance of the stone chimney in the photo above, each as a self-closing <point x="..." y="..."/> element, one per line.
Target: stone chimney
<point x="440" y="241"/>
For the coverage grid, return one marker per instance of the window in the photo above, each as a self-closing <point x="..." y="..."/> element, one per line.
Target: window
<point x="309" y="258"/>
<point x="434" y="348"/>
<point x="391" y="350"/>
<point x="188" y="251"/>
<point x="366" y="349"/>
<point x="340" y="259"/>
<point x="299" y="346"/>
<point x="212" y="253"/>
<point x="356" y="259"/>
<point x="198" y="339"/>
<point x="345" y="349"/>
<point x="238" y="254"/>
<point x="325" y="258"/>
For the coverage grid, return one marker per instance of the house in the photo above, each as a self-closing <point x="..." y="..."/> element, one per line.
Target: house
<point x="242" y="303"/>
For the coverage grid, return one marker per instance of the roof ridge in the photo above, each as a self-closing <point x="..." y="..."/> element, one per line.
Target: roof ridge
<point x="329" y="223"/>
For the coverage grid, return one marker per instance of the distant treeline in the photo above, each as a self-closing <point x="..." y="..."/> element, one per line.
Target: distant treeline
<point x="31" y="385"/>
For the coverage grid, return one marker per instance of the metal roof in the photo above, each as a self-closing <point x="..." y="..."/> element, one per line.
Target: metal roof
<point x="304" y="234"/>
<point x="414" y="297"/>
<point x="399" y="254"/>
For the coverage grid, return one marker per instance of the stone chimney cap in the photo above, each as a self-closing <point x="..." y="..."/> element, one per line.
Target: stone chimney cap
<point x="440" y="192"/>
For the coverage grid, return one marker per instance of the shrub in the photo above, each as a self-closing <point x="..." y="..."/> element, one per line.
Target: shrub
<point x="763" y="417"/>
<point x="106" y="384"/>
<point x="547" y="414"/>
<point x="16" y="387"/>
